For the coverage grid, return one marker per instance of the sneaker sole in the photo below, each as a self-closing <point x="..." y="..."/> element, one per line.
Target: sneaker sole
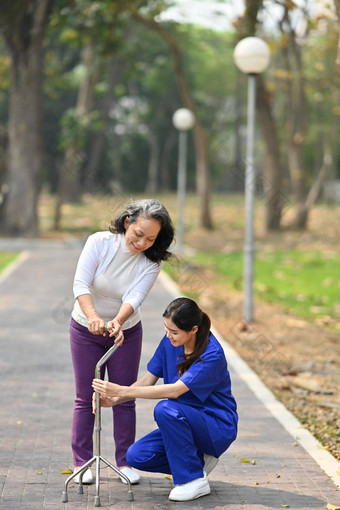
<point x="203" y="492"/>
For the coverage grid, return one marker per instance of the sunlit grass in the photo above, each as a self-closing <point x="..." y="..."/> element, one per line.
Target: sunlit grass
<point x="7" y="258"/>
<point x="304" y="282"/>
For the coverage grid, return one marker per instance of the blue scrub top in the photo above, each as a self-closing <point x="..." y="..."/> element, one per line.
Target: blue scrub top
<point x="208" y="379"/>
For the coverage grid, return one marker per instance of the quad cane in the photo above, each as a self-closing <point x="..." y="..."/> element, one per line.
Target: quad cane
<point x="97" y="457"/>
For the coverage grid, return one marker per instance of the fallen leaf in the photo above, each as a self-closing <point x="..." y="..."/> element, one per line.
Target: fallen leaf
<point x="277" y="475"/>
<point x="66" y="472"/>
<point x="322" y="447"/>
<point x="256" y="483"/>
<point x="169" y="477"/>
<point x="20" y="422"/>
<point x="295" y="444"/>
<point x="332" y="507"/>
<point x="247" y="461"/>
<point x="39" y="472"/>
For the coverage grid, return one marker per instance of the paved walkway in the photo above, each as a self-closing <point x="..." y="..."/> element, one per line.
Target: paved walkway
<point x="36" y="407"/>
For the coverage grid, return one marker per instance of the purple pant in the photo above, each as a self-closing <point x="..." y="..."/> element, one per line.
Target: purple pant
<point x="122" y="368"/>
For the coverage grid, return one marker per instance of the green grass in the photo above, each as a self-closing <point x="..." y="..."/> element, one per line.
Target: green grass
<point x="304" y="282"/>
<point x="6" y="258"/>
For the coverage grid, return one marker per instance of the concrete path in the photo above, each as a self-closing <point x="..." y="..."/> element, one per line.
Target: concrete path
<point x="36" y="407"/>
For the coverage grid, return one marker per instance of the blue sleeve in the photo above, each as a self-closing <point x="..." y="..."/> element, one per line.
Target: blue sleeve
<point x="156" y="363"/>
<point x="207" y="375"/>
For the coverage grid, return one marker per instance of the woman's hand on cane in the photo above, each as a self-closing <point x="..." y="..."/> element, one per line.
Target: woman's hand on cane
<point x="96" y="326"/>
<point x="114" y="328"/>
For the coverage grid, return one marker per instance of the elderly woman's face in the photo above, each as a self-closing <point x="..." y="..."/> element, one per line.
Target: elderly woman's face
<point x="141" y="234"/>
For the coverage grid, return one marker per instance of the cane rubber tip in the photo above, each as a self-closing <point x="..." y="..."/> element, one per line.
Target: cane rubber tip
<point x="130" y="496"/>
<point x="64" y="499"/>
<point x="80" y="489"/>
<point x="97" y="501"/>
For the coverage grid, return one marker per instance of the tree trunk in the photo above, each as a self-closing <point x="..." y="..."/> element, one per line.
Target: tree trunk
<point x="23" y="25"/>
<point x="166" y="156"/>
<point x="273" y="173"/>
<point x="116" y="68"/>
<point x="298" y="183"/>
<point x="323" y="173"/>
<point x="74" y="156"/>
<point x="337" y="9"/>
<point x="69" y="184"/>
<point x="152" y="182"/>
<point x="201" y="146"/>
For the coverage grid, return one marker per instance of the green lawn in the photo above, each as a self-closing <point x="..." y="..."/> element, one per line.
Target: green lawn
<point x="6" y="258"/>
<point x="304" y="282"/>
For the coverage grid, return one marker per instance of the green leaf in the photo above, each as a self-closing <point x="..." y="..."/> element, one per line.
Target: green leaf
<point x="247" y="461"/>
<point x="66" y="472"/>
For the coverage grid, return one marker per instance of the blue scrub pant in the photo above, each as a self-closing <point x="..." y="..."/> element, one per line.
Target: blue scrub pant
<point x="177" y="447"/>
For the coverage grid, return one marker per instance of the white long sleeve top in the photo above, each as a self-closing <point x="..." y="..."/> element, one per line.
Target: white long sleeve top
<point x="97" y="259"/>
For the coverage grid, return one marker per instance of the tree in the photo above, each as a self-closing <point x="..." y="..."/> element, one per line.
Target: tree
<point x="202" y="172"/>
<point x="77" y="126"/>
<point x="284" y="110"/>
<point x="337" y="9"/>
<point x="23" y="24"/>
<point x="295" y="48"/>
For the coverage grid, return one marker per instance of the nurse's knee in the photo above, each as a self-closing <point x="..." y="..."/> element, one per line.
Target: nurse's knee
<point x="132" y="456"/>
<point x="137" y="455"/>
<point x="166" y="410"/>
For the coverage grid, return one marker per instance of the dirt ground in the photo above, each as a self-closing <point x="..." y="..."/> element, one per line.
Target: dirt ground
<point x="298" y="360"/>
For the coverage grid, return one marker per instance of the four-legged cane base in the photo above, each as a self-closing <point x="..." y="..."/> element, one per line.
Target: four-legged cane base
<point x="96" y="459"/>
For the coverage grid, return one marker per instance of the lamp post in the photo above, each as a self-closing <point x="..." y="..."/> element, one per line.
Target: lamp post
<point x="183" y="120"/>
<point x="252" y="56"/>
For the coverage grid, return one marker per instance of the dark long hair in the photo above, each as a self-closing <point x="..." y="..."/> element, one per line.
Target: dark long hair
<point x="153" y="210"/>
<point x="186" y="314"/>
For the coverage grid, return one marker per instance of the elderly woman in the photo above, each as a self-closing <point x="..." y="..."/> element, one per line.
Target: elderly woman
<point x="115" y="272"/>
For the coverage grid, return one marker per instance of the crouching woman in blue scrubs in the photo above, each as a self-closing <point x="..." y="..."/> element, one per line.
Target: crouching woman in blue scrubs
<point x="198" y="420"/>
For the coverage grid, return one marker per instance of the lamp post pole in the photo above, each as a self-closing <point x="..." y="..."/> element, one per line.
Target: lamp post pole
<point x="183" y="120"/>
<point x="250" y="190"/>
<point x="181" y="188"/>
<point x="252" y="57"/>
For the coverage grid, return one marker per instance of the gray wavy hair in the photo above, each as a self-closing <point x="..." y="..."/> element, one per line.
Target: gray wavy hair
<point x="151" y="209"/>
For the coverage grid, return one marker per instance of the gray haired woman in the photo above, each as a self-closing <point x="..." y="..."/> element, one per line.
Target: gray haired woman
<point x="115" y="272"/>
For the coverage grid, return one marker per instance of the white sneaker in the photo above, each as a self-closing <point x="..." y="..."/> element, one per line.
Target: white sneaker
<point x="191" y="490"/>
<point x="210" y="463"/>
<point x="87" y="477"/>
<point x="131" y="474"/>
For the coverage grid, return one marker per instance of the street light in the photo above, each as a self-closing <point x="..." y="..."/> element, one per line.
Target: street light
<point x="252" y="56"/>
<point x="183" y="120"/>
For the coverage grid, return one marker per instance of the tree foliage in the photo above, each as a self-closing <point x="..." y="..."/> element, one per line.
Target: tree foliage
<point x="108" y="110"/>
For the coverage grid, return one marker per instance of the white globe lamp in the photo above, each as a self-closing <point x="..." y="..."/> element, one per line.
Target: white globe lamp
<point x="183" y="119"/>
<point x="252" y="55"/>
